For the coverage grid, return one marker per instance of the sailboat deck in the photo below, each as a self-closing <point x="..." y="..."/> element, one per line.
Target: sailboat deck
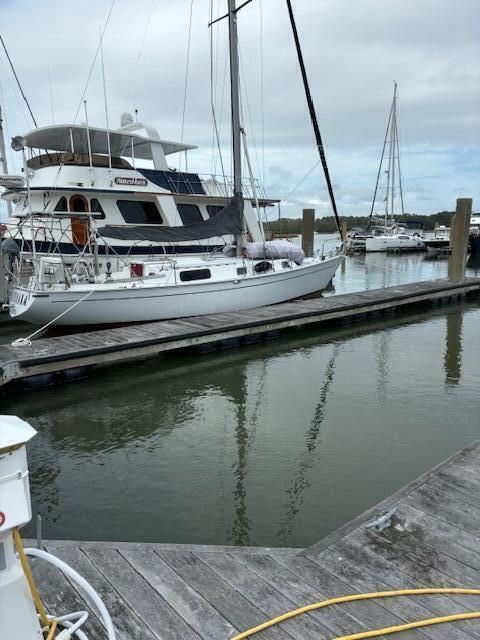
<point x="193" y="592"/>
<point x="64" y="358"/>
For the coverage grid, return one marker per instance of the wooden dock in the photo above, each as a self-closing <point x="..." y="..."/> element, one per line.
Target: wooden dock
<point x="64" y="358"/>
<point x="192" y="592"/>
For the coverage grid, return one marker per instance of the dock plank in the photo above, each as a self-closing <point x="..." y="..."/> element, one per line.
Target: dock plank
<point x="191" y="605"/>
<point x="142" y="598"/>
<point x="232" y="604"/>
<point x="124" y="619"/>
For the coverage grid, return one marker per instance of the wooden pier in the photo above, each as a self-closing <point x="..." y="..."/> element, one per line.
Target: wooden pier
<point x="193" y="592"/>
<point x="65" y="358"/>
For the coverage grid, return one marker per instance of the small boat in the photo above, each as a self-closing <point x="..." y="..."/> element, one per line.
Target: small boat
<point x="395" y="242"/>
<point x="440" y="240"/>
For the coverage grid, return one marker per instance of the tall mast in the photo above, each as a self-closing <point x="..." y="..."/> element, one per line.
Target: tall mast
<point x="3" y="157"/>
<point x="393" y="147"/>
<point x="235" y="107"/>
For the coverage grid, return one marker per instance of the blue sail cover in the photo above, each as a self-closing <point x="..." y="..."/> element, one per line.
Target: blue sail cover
<point x="228" y="221"/>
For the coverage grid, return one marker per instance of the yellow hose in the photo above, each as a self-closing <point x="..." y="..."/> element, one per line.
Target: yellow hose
<point x="53" y="628"/>
<point x="31" y="583"/>
<point x="367" y="596"/>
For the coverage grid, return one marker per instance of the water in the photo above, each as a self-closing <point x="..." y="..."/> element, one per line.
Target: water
<point x="274" y="444"/>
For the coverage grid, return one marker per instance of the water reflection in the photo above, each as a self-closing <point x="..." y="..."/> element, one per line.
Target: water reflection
<point x="309" y="458"/>
<point x="382" y="357"/>
<point x="204" y="439"/>
<point x="453" y="349"/>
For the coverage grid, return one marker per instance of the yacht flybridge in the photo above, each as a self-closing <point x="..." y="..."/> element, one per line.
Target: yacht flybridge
<point x="82" y="178"/>
<point x="120" y="230"/>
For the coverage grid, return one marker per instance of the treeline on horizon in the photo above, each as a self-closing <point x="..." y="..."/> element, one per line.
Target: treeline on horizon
<point x="327" y="224"/>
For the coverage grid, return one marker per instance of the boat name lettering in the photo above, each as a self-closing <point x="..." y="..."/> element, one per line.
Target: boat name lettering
<point x="137" y="182"/>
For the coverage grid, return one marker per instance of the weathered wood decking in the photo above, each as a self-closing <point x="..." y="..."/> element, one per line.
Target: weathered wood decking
<point x="69" y="357"/>
<point x="180" y="592"/>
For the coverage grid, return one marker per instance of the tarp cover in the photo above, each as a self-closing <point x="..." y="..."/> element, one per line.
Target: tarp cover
<point x="228" y="221"/>
<point x="274" y="249"/>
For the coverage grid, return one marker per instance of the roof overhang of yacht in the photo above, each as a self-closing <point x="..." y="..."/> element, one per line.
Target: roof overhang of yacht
<point x="60" y="138"/>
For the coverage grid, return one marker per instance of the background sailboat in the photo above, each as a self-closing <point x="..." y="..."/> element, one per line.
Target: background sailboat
<point x="387" y="234"/>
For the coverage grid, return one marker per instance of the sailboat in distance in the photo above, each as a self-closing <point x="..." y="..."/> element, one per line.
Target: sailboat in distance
<point x="241" y="276"/>
<point x="387" y="234"/>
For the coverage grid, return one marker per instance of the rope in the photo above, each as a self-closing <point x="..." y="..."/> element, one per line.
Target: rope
<point x="18" y="81"/>
<point x="26" y="342"/>
<point x="368" y="596"/>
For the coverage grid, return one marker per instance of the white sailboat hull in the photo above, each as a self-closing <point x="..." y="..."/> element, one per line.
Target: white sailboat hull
<point x="389" y="243"/>
<point x="138" y="302"/>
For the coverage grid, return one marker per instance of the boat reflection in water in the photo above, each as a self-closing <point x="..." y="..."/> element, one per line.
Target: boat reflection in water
<point x="274" y="444"/>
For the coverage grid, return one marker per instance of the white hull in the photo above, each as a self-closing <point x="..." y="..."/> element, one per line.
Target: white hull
<point x="389" y="243"/>
<point x="140" y="302"/>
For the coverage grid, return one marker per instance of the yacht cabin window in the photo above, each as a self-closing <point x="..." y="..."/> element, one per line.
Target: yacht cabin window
<point x="189" y="213"/>
<point x="139" y="212"/>
<point x="61" y="205"/>
<point x="95" y="207"/>
<point x="195" y="274"/>
<point x="213" y="209"/>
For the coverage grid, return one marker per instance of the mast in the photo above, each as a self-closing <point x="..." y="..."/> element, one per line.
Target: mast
<point x="394" y="147"/>
<point x="313" y="116"/>
<point x="235" y="108"/>
<point x="3" y="158"/>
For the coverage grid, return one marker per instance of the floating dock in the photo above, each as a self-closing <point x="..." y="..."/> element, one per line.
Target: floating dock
<point x="194" y="592"/>
<point x="65" y="358"/>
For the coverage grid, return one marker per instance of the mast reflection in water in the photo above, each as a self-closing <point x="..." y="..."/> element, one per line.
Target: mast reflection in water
<point x="277" y="443"/>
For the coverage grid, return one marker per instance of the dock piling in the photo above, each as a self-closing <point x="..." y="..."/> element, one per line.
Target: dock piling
<point x="308" y="228"/>
<point x="459" y="240"/>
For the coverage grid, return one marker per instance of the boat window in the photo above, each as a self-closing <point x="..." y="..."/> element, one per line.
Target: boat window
<point x="138" y="212"/>
<point x="96" y="209"/>
<point x="196" y="274"/>
<point x="241" y="271"/>
<point x="61" y="205"/>
<point x="213" y="210"/>
<point x="189" y="213"/>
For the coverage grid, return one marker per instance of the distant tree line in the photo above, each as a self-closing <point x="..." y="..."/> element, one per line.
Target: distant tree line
<point x="327" y="224"/>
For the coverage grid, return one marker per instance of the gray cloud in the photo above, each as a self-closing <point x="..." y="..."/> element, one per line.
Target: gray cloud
<point x="353" y="52"/>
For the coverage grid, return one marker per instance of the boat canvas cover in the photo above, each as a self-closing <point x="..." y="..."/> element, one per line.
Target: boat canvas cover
<point x="228" y="221"/>
<point x="274" y="249"/>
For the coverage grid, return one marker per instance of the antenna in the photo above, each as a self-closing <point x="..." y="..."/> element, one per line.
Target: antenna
<point x="105" y="101"/>
<point x="51" y="94"/>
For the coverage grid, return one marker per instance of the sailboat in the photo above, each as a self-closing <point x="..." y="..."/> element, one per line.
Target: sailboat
<point x="243" y="275"/>
<point x="394" y="236"/>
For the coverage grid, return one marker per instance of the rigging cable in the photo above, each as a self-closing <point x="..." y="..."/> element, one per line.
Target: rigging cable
<point x="137" y="62"/>
<point x="18" y="81"/>
<point x="186" y="80"/>
<point x="380" y="168"/>
<point x="216" y="135"/>
<point x="313" y="116"/>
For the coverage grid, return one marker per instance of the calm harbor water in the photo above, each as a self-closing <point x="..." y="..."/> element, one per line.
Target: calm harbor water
<point x="274" y="444"/>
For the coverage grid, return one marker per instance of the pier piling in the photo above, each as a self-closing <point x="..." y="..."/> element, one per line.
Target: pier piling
<point x="459" y="240"/>
<point x="308" y="229"/>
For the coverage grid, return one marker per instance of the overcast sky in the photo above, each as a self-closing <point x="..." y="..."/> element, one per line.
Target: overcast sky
<point x="353" y="51"/>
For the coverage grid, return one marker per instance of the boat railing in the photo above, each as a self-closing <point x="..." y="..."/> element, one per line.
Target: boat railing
<point x="219" y="185"/>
